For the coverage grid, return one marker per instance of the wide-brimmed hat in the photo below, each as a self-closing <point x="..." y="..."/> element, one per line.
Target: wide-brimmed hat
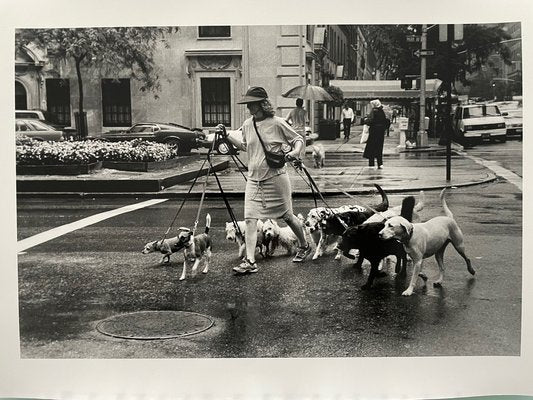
<point x="376" y="103"/>
<point x="255" y="93"/>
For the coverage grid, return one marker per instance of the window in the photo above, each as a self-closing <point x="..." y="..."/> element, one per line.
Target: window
<point x="58" y="101"/>
<point x="214" y="31"/>
<point x="20" y="97"/>
<point x="216" y="107"/>
<point x="116" y="102"/>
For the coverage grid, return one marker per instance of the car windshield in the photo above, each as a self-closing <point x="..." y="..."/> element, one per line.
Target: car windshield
<point x="30" y="115"/>
<point x="142" y="128"/>
<point x="481" y="111"/>
<point x="35" y="125"/>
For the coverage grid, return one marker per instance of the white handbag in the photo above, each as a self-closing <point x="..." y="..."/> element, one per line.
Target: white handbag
<point x="364" y="135"/>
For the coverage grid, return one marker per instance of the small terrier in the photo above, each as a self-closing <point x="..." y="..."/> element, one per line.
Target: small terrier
<point x="195" y="248"/>
<point x="279" y="236"/>
<point x="319" y="155"/>
<point x="232" y="236"/>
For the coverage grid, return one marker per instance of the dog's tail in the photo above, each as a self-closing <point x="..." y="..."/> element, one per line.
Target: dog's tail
<point x="384" y="205"/>
<point x="408" y="205"/>
<point x="421" y="202"/>
<point x="207" y="223"/>
<point x="444" y="205"/>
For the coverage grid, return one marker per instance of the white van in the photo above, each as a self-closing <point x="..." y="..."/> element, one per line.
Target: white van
<point x="474" y="123"/>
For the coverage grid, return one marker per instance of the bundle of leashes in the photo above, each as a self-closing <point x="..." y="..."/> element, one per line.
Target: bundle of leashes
<point x="300" y="166"/>
<point x="221" y="133"/>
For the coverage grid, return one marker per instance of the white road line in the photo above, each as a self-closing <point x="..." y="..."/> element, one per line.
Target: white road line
<point x="42" y="237"/>
<point x="495" y="167"/>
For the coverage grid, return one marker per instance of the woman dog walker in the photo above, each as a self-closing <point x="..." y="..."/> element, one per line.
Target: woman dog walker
<point x="269" y="141"/>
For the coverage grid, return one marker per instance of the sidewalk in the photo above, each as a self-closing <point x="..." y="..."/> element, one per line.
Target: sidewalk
<point x="346" y="170"/>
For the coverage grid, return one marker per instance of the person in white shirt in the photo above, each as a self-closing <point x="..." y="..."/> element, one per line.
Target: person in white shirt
<point x="268" y="192"/>
<point x="298" y="119"/>
<point x="347" y="120"/>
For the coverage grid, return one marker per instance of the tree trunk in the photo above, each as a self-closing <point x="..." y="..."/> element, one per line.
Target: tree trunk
<point x="82" y="131"/>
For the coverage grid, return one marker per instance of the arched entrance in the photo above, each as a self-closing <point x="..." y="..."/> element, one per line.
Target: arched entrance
<point x="21" y="97"/>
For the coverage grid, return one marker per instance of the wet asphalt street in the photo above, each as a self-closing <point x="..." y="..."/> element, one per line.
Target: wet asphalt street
<point x="316" y="309"/>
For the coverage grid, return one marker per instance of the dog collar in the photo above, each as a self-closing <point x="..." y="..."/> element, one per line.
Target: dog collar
<point x="409" y="235"/>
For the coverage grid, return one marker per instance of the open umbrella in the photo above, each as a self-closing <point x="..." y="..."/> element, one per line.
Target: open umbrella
<point x="308" y="92"/>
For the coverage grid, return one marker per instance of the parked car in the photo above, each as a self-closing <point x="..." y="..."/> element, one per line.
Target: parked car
<point x="221" y="147"/>
<point x="181" y="137"/>
<point x="38" y="130"/>
<point x="41" y="116"/>
<point x="513" y="123"/>
<point x="475" y="123"/>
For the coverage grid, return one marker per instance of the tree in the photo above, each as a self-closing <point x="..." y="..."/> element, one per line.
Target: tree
<point x="395" y="58"/>
<point x="391" y="49"/>
<point x="111" y="50"/>
<point x="337" y="95"/>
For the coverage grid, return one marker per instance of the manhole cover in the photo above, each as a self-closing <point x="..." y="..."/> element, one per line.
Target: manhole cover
<point x="150" y="325"/>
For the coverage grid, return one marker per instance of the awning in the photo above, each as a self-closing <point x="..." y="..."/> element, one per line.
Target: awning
<point x="383" y="90"/>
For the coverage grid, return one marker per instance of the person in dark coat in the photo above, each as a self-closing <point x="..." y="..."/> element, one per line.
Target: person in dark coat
<point x="378" y="123"/>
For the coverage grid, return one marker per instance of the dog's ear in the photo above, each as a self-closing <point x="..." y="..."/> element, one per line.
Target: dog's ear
<point x="405" y="224"/>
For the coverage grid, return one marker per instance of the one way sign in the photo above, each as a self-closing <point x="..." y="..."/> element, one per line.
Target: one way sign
<point x="423" y="53"/>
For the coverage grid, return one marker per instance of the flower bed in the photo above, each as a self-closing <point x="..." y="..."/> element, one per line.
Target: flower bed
<point x="37" y="153"/>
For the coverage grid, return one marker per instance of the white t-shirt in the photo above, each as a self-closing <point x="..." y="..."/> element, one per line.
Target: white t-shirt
<point x="278" y="137"/>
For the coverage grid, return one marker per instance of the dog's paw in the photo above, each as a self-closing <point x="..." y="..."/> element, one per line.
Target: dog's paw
<point x="407" y="292"/>
<point x="423" y="276"/>
<point x="315" y="256"/>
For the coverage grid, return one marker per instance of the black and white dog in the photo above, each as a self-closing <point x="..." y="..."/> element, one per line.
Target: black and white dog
<point x="333" y="223"/>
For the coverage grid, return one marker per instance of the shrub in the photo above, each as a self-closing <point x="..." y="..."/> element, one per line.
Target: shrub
<point x="32" y="152"/>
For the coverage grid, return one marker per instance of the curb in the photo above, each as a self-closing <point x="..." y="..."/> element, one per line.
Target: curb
<point x="197" y="195"/>
<point x="83" y="185"/>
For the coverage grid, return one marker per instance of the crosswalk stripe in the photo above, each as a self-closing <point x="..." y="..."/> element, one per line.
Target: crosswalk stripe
<point x="42" y="237"/>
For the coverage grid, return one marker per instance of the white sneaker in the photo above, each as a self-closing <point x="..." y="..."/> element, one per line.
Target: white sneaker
<point x="380" y="166"/>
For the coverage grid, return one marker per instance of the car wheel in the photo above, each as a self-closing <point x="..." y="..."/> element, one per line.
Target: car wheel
<point x="175" y="143"/>
<point x="222" y="148"/>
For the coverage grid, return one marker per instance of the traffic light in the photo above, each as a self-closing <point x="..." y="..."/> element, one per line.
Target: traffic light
<point x="406" y="83"/>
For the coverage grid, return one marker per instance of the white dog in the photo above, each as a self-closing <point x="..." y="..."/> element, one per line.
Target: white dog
<point x="422" y="240"/>
<point x="276" y="236"/>
<point x="232" y="236"/>
<point x="319" y="155"/>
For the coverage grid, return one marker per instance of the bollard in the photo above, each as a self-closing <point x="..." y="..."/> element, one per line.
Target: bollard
<point x="403" y="123"/>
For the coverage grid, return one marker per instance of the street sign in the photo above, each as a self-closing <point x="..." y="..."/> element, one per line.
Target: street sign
<point x="413" y="38"/>
<point x="423" y="53"/>
<point x="450" y="31"/>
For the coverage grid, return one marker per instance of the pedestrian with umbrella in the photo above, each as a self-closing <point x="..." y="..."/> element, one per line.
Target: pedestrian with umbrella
<point x="297" y="118"/>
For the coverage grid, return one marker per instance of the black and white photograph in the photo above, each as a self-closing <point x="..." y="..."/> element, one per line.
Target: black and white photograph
<point x="269" y="191"/>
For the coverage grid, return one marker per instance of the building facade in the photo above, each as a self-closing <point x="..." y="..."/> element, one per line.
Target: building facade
<point x="203" y="72"/>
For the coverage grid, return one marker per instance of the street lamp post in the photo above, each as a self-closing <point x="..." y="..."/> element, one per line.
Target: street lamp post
<point x="422" y="137"/>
